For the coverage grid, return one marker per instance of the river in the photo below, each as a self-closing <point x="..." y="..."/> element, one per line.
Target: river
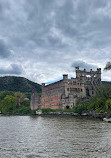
<point x="54" y="137"/>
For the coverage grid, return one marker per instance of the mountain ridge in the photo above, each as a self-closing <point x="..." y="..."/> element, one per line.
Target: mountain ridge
<point x="22" y="84"/>
<point x="17" y="83"/>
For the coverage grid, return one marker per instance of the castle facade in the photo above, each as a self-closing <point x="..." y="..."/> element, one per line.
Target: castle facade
<point x="65" y="93"/>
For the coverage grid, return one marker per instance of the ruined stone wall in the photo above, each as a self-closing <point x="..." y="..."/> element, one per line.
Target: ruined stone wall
<point x="66" y="92"/>
<point x="53" y="89"/>
<point x="77" y="87"/>
<point x="89" y="79"/>
<point x="35" y="101"/>
<point x="51" y="95"/>
<point x="89" y="75"/>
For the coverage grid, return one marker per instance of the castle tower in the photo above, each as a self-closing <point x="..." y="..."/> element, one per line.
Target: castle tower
<point x="65" y="77"/>
<point x="77" y="72"/>
<point x="99" y="73"/>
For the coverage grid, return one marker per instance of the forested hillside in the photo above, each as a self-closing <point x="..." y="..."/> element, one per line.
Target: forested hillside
<point x="15" y="84"/>
<point x="106" y="83"/>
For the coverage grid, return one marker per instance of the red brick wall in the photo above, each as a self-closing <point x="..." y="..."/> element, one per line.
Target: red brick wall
<point x="51" y="102"/>
<point x="51" y="107"/>
<point x="53" y="89"/>
<point x="51" y="95"/>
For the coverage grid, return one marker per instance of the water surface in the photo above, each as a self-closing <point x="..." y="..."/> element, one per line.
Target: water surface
<point x="54" y="137"/>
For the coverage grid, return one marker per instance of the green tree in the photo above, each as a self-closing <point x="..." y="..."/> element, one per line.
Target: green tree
<point x="108" y="104"/>
<point x="25" y="103"/>
<point x="20" y="97"/>
<point x="8" y="104"/>
<point x="3" y="94"/>
<point x="99" y="103"/>
<point x="108" y="66"/>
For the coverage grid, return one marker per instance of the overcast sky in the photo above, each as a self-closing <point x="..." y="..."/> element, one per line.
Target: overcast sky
<point x="43" y="39"/>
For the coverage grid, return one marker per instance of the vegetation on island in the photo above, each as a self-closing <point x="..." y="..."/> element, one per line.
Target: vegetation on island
<point x="19" y="103"/>
<point x="15" y="93"/>
<point x="101" y="103"/>
<point x="14" y="103"/>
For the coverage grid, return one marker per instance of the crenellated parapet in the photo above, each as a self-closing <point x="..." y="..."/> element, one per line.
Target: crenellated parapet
<point x="95" y="75"/>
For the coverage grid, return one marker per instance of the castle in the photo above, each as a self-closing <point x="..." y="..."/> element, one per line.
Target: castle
<point x="65" y="93"/>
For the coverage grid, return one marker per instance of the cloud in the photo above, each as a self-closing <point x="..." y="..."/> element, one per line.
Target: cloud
<point x="83" y="65"/>
<point x="11" y="69"/>
<point x="48" y="35"/>
<point x="4" y="51"/>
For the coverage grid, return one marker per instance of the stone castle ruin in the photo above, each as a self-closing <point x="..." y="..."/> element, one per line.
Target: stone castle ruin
<point x="35" y="100"/>
<point x="65" y="93"/>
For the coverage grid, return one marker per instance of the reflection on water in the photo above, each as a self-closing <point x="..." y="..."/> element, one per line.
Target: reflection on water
<point x="54" y="137"/>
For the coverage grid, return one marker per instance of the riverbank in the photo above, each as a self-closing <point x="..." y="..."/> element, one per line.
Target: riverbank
<point x="83" y="115"/>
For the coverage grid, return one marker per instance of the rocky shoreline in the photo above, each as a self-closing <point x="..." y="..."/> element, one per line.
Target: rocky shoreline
<point x="83" y="115"/>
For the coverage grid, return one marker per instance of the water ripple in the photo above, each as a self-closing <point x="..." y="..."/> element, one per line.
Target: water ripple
<point x="54" y="137"/>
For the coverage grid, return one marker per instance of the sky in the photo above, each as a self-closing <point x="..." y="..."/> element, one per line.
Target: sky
<point x="43" y="39"/>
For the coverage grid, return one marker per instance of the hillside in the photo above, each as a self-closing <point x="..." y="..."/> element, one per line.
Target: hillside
<point x="106" y="83"/>
<point x="13" y="83"/>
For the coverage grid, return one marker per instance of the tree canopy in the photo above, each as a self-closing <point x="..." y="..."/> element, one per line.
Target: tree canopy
<point x="108" y="66"/>
<point x="14" y="103"/>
